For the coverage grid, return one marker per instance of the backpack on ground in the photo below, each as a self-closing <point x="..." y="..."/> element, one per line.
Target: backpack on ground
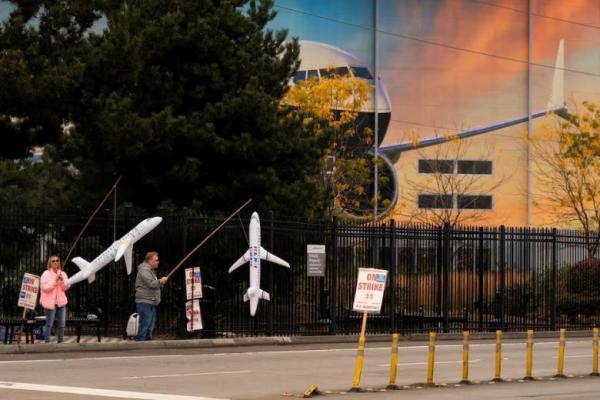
<point x="132" y="325"/>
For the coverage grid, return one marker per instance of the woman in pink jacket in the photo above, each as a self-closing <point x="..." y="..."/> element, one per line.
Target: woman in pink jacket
<point x="53" y="298"/>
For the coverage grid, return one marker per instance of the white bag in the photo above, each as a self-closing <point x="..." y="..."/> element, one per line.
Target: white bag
<point x="132" y="325"/>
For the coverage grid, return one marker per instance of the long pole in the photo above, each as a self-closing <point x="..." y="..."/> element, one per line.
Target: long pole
<point x="206" y="238"/>
<point x="113" y="187"/>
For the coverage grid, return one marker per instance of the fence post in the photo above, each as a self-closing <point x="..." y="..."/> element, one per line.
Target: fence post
<point x="480" y="279"/>
<point x="392" y="269"/>
<point x="446" y="267"/>
<point x="334" y="291"/>
<point x="501" y="268"/>
<point x="553" y="296"/>
<point x="271" y="290"/>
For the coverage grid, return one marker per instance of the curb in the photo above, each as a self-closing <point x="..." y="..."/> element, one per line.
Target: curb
<point x="39" y="348"/>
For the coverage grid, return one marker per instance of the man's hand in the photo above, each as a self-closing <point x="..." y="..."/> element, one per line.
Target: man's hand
<point x="163" y="280"/>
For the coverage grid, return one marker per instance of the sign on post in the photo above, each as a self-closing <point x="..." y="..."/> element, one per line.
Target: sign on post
<point x="369" y="290"/>
<point x="315" y="259"/>
<point x="192" y="313"/>
<point x="30" y="287"/>
<point x="193" y="283"/>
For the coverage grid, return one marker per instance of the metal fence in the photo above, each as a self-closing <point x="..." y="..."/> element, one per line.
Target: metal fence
<point x="439" y="278"/>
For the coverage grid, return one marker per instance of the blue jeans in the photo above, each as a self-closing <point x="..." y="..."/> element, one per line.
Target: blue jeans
<point x="60" y="314"/>
<point x="147" y="319"/>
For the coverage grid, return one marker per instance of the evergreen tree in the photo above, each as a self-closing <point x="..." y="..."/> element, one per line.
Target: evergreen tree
<point x="182" y="98"/>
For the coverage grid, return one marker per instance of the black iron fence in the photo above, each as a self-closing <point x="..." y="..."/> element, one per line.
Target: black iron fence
<point x="439" y="277"/>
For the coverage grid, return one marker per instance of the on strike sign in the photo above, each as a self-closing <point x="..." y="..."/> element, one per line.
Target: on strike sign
<point x="30" y="287"/>
<point x="193" y="283"/>
<point x="369" y="290"/>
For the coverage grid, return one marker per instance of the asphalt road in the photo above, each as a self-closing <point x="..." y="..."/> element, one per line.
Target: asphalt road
<point x="277" y="372"/>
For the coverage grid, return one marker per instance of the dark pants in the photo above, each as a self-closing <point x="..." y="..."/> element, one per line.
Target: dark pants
<point x="147" y="319"/>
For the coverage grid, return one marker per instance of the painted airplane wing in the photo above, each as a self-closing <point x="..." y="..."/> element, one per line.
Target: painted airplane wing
<point x="556" y="105"/>
<point x="241" y="261"/>
<point x="265" y="255"/>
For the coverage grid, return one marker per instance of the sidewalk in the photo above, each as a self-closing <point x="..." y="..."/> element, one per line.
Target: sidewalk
<point x="90" y="343"/>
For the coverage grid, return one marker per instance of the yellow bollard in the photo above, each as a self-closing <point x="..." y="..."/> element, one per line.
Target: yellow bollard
<point x="465" y="364"/>
<point x="561" y="355"/>
<point x="595" y="352"/>
<point x="360" y="355"/>
<point x="431" y="358"/>
<point x="394" y="362"/>
<point x="529" y="358"/>
<point x="498" y="369"/>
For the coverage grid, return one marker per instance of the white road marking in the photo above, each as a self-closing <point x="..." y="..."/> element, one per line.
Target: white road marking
<point x="121" y="394"/>
<point x="438" y="362"/>
<point x="246" y="371"/>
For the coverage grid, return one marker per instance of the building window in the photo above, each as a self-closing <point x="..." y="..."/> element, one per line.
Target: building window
<point x="436" y="166"/>
<point x="435" y="201"/>
<point x="446" y="201"/>
<point x="474" y="167"/>
<point x="462" y="167"/>
<point x="474" y="202"/>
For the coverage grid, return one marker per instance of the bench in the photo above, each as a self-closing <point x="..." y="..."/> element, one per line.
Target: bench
<point x="10" y="325"/>
<point x="78" y="323"/>
<point x="28" y="325"/>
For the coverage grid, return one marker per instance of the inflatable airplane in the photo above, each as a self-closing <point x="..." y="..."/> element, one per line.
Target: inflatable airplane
<point x="123" y="246"/>
<point x="253" y="255"/>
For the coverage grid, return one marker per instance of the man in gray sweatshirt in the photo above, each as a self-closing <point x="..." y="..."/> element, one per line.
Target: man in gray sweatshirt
<point x="147" y="295"/>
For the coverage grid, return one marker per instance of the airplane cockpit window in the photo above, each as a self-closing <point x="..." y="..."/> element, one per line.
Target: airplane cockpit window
<point x="361" y="72"/>
<point x="299" y="76"/>
<point x="312" y="73"/>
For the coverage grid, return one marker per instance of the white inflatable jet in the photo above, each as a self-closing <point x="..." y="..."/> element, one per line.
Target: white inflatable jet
<point x="253" y="255"/>
<point x="123" y="246"/>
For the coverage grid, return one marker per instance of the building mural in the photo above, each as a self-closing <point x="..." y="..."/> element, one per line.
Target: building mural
<point x="450" y="66"/>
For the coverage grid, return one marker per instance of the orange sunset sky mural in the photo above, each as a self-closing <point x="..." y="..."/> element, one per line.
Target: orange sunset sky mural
<point x="454" y="65"/>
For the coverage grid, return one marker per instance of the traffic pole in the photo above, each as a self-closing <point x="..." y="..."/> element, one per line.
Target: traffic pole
<point x="394" y="362"/>
<point x="561" y="355"/>
<point x="360" y="355"/>
<point x="529" y="356"/>
<point x="431" y="358"/>
<point x="465" y="358"/>
<point x="595" y="352"/>
<point x="498" y="364"/>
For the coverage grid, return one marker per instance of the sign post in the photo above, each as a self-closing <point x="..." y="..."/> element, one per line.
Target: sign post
<point x="368" y="299"/>
<point x="30" y="288"/>
<point x="193" y="292"/>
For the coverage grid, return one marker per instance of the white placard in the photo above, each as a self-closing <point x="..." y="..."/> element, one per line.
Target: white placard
<point x="192" y="313"/>
<point x="193" y="283"/>
<point x="315" y="260"/>
<point x="30" y="287"/>
<point x="369" y="290"/>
